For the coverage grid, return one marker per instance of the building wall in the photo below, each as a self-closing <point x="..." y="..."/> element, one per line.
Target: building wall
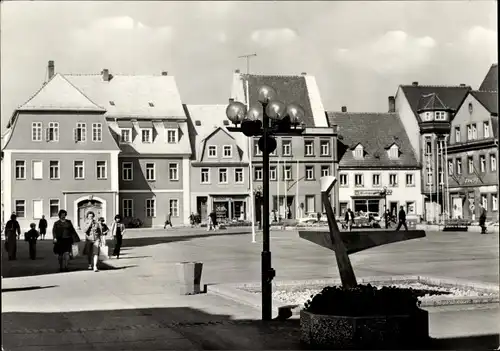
<point x="463" y="117"/>
<point x="162" y="178"/>
<point x="409" y="121"/>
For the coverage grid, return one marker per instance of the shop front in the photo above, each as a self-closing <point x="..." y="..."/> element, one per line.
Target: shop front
<point x="370" y="200"/>
<point x="230" y="208"/>
<point x="465" y="202"/>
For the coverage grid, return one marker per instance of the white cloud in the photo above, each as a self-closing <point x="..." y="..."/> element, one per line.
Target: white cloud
<point x="482" y="40"/>
<point x="395" y="51"/>
<point x="273" y="36"/>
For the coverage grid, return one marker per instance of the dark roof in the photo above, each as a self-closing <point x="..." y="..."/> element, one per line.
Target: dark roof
<point x="289" y="89"/>
<point x="375" y="131"/>
<point x="494" y="125"/>
<point x="488" y="99"/>
<point x="431" y="102"/>
<point x="451" y="96"/>
<point x="490" y="82"/>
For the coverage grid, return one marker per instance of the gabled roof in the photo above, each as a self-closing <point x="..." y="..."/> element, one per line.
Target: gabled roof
<point x="490" y="82"/>
<point x="139" y="97"/>
<point x="451" y="96"/>
<point x="58" y="94"/>
<point x="431" y="102"/>
<point x="488" y="99"/>
<point x="375" y="131"/>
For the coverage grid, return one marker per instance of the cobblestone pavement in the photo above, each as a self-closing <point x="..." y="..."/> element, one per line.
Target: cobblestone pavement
<point x="134" y="303"/>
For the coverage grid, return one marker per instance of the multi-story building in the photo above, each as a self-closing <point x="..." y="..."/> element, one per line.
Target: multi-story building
<point x="472" y="153"/>
<point x="375" y="152"/>
<point x="298" y="161"/>
<point x="220" y="178"/>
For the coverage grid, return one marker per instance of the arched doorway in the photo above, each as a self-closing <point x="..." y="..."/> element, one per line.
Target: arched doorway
<point x="87" y="205"/>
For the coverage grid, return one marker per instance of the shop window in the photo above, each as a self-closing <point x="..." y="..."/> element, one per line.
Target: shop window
<point x="410" y="208"/>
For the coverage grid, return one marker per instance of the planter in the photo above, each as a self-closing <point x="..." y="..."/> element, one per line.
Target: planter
<point x="367" y="332"/>
<point x="189" y="275"/>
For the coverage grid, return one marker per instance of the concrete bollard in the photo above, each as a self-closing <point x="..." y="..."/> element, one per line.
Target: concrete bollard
<point x="189" y="275"/>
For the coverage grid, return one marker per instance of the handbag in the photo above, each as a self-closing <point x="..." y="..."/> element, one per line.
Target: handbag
<point x="74" y="250"/>
<point x="103" y="251"/>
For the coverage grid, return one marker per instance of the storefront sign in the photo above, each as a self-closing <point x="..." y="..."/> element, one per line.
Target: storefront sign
<point x="371" y="192"/>
<point x="471" y="181"/>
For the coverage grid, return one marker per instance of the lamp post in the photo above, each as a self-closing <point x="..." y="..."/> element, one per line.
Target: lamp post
<point x="268" y="119"/>
<point x="384" y="194"/>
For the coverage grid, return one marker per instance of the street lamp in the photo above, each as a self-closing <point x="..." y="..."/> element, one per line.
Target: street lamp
<point x="384" y="194"/>
<point x="268" y="119"/>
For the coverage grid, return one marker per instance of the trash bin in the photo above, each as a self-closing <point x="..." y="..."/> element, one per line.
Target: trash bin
<point x="189" y="275"/>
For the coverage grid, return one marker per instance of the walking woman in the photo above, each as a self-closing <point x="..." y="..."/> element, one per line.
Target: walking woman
<point x="93" y="240"/>
<point x="12" y="231"/>
<point x="65" y="236"/>
<point x="117" y="230"/>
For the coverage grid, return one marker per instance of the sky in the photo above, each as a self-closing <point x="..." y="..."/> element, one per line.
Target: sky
<point x="358" y="51"/>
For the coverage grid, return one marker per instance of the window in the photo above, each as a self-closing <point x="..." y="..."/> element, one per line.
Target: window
<point x="54" y="169"/>
<point x="309" y="148"/>
<point x="174" y="207"/>
<point x="493" y="163"/>
<point x="344" y="180"/>
<point x="78" y="170"/>
<point x="325" y="171"/>
<point x="428" y="116"/>
<point x="309" y="172"/>
<point x="128" y="206"/>
<point x="223" y="175"/>
<point x="80" y="132"/>
<point x="205" y="176"/>
<point x="325" y="148"/>
<point x="36" y="131"/>
<point x="393" y="179"/>
<point x="440" y="116"/>
<point x="272" y="173"/>
<point x="287" y="173"/>
<point x="486" y="129"/>
<point x="286" y="148"/>
<point x="37" y="209"/>
<point x="494" y="202"/>
<point x="171" y="136"/>
<point x="96" y="132"/>
<point x="474" y="132"/>
<point x="150" y="208"/>
<point x="126" y="135"/>
<point x="238" y="175"/>
<point x="52" y="132"/>
<point x="484" y="201"/>
<point x="410" y="208"/>
<point x="37" y="169"/>
<point x="147" y="135"/>
<point x="470" y="164"/>
<point x="227" y="151"/>
<point x="20" y="169"/>
<point x="459" y="166"/>
<point x="258" y="173"/>
<point x="310" y="202"/>
<point x="150" y="172"/>
<point x="256" y="150"/>
<point x="173" y="171"/>
<point x="212" y="151"/>
<point x="410" y="179"/>
<point x="428" y="148"/>
<point x="376" y="179"/>
<point x="450" y="167"/>
<point x="127" y="173"/>
<point x="429" y="177"/>
<point x="358" y="151"/>
<point x="482" y="163"/>
<point x="457" y="134"/>
<point x="358" y="180"/>
<point x="469" y="132"/>
<point x="101" y="170"/>
<point x="394" y="151"/>
<point x="54" y="206"/>
<point x="20" y="208"/>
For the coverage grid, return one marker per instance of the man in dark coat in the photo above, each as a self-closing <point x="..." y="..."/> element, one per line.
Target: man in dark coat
<point x="402" y="219"/>
<point x="482" y="219"/>
<point x="42" y="227"/>
<point x="349" y="218"/>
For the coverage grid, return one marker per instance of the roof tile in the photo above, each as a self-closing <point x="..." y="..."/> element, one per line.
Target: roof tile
<point x="490" y="82"/>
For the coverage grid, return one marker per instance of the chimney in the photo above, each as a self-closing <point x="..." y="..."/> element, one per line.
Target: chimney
<point x="392" y="104"/>
<point x="51" y="69"/>
<point x="463" y="85"/>
<point x="304" y="73"/>
<point x="236" y="71"/>
<point x="105" y="75"/>
<point x="164" y="73"/>
<point x="231" y="100"/>
<point x="344" y="109"/>
<point x="415" y="84"/>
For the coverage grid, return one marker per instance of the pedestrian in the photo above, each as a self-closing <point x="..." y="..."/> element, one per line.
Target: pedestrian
<point x="93" y="240"/>
<point x="117" y="230"/>
<point x="31" y="236"/>
<point x="64" y="236"/>
<point x="213" y="219"/>
<point x="482" y="218"/>
<point x="42" y="227"/>
<point x="168" y="220"/>
<point x="388" y="219"/>
<point x="319" y="217"/>
<point x="191" y="219"/>
<point x="12" y="232"/>
<point x="349" y="219"/>
<point x="104" y="226"/>
<point x="402" y="219"/>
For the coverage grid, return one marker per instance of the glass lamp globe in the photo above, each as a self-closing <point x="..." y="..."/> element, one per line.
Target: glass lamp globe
<point x="276" y="110"/>
<point x="296" y="113"/>
<point x="236" y="112"/>
<point x="255" y="112"/>
<point x="266" y="94"/>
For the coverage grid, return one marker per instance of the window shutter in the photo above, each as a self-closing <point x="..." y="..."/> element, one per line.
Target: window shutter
<point x="75" y="136"/>
<point x="47" y="135"/>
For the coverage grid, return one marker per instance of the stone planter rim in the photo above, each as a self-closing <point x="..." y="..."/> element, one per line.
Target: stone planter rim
<point x="357" y="317"/>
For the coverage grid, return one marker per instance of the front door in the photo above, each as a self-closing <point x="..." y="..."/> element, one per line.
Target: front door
<point x="457" y="207"/>
<point x="393" y="207"/>
<point x="202" y="207"/>
<point x="86" y="206"/>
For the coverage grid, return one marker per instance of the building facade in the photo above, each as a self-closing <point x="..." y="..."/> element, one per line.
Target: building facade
<point x="375" y="153"/>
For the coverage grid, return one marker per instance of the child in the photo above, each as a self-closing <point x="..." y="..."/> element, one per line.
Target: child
<point x="104" y="227"/>
<point x="31" y="236"/>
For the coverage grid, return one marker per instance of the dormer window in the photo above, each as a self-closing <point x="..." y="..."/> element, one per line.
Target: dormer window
<point x="440" y="116"/>
<point x="358" y="151"/>
<point x="212" y="151"/>
<point x="147" y="135"/>
<point x="171" y="136"/>
<point x="112" y="103"/>
<point x="227" y="151"/>
<point x="428" y="116"/>
<point x="394" y="151"/>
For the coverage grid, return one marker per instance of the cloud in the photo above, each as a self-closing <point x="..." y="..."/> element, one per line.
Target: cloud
<point x="483" y="40"/>
<point x="273" y="36"/>
<point x="395" y="51"/>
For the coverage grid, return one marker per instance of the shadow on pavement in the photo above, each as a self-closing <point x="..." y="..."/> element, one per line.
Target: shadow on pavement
<point x="27" y="288"/>
<point x="178" y="328"/>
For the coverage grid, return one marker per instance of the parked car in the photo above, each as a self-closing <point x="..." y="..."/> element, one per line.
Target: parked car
<point x="312" y="218"/>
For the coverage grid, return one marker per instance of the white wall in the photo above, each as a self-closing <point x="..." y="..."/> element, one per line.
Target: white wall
<point x="409" y="121"/>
